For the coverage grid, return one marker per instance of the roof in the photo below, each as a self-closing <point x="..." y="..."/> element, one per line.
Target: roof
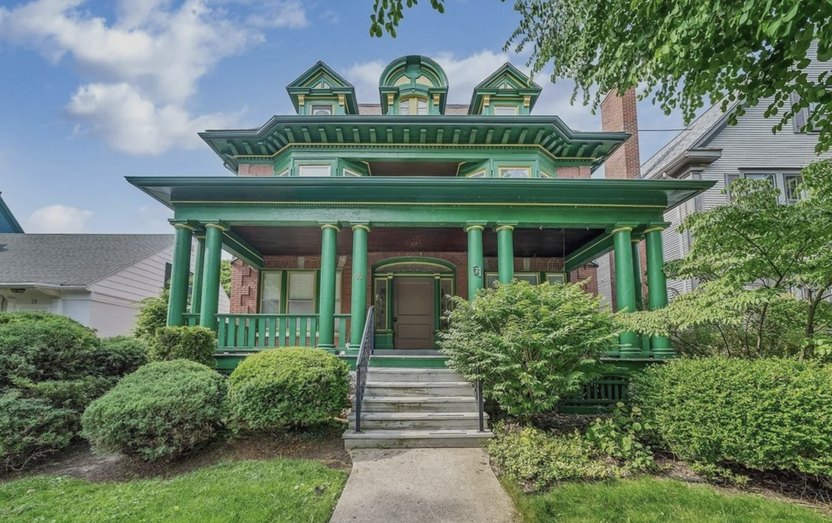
<point x="695" y="135"/>
<point x="375" y="109"/>
<point x="8" y="223"/>
<point x="73" y="260"/>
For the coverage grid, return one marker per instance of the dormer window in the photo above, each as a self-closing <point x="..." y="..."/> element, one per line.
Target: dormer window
<point x="413" y="105"/>
<point x="321" y="110"/>
<point x="505" y="110"/>
<point x="413" y="85"/>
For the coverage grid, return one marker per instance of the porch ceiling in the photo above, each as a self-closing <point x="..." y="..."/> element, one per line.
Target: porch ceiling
<point x="306" y="241"/>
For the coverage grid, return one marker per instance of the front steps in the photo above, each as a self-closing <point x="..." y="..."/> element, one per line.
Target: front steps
<point x="406" y="407"/>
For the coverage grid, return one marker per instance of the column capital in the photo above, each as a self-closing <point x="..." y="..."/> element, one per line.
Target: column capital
<point x="183" y="224"/>
<point x="357" y="226"/>
<point x="216" y="225"/>
<point x="621" y="228"/>
<point x="330" y="225"/>
<point x="474" y="226"/>
<point x="505" y="227"/>
<point x="654" y="228"/>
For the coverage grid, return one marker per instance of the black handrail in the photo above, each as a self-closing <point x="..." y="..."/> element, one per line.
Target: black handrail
<point x="362" y="364"/>
<point x="480" y="401"/>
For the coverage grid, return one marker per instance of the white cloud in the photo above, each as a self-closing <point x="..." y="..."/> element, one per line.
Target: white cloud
<point x="157" y="48"/>
<point x="58" y="219"/>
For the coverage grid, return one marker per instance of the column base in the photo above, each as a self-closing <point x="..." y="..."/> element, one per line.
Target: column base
<point x="661" y="348"/>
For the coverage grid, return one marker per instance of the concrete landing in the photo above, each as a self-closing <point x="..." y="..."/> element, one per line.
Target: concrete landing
<point x="420" y="485"/>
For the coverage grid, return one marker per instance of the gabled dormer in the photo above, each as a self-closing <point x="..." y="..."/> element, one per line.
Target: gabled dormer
<point x="413" y="85"/>
<point x="507" y="91"/>
<point x="322" y="91"/>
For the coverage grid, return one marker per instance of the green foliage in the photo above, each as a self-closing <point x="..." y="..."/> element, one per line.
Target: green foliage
<point x="388" y="13"/>
<point x="225" y="276"/>
<point x="254" y="491"/>
<point x="620" y="437"/>
<point x="152" y="315"/>
<point x="292" y="387"/>
<point x="159" y="412"/>
<point x="750" y="256"/>
<point x="190" y="343"/>
<point x="31" y="428"/>
<point x="119" y="355"/>
<point x="531" y="345"/>
<point x="765" y="414"/>
<point x="73" y="394"/>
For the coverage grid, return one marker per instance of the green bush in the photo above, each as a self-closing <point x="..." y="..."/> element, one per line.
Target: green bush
<point x="532" y="345"/>
<point x="152" y="316"/>
<point x="538" y="459"/>
<point x="119" y="355"/>
<point x="161" y="411"/>
<point x="31" y="428"/>
<point x="70" y="394"/>
<point x="620" y="437"/>
<point x="187" y="343"/>
<point x="766" y="414"/>
<point x="282" y="388"/>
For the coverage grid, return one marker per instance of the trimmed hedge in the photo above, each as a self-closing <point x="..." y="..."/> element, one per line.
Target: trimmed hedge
<point x="31" y="428"/>
<point x="120" y="355"/>
<point x="765" y="414"/>
<point x="189" y="343"/>
<point x="282" y="388"/>
<point x="161" y="411"/>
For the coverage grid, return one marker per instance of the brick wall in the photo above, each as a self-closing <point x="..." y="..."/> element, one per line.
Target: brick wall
<point x="574" y="172"/>
<point x="255" y="169"/>
<point x="245" y="284"/>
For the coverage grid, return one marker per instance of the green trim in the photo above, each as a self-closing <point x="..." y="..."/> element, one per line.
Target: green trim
<point x="404" y="260"/>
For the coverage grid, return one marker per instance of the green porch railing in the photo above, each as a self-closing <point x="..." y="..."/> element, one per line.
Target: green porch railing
<point x="263" y="331"/>
<point x="191" y="320"/>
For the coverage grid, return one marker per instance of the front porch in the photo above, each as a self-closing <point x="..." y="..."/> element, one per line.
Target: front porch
<point x="411" y="243"/>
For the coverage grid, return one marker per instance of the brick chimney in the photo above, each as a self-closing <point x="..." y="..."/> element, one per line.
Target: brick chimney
<point x="618" y="113"/>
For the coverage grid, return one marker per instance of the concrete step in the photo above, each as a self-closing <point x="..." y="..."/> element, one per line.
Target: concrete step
<point x="416" y="388"/>
<point x="406" y="352"/>
<point x="418" y="420"/>
<point x="386" y="439"/>
<point x="420" y="404"/>
<point x="409" y="375"/>
<point x="420" y="362"/>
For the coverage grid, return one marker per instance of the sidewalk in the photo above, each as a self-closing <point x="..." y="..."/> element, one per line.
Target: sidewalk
<point x="423" y="485"/>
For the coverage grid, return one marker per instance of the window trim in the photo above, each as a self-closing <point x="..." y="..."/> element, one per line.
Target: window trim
<point x="513" y="107"/>
<point x="284" y="289"/>
<point x="328" y="106"/>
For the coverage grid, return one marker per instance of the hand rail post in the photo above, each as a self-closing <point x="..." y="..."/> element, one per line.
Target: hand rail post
<point x="362" y="364"/>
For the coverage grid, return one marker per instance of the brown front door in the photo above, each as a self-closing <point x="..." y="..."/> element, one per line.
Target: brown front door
<point x="413" y="312"/>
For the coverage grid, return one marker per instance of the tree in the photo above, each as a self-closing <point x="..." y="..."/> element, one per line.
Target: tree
<point x="684" y="52"/>
<point x="225" y="276"/>
<point x="152" y="316"/>
<point x="765" y="271"/>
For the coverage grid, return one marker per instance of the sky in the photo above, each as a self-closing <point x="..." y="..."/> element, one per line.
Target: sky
<point x="92" y="91"/>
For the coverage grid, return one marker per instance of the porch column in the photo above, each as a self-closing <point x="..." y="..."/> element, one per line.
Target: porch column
<point x="641" y="342"/>
<point x="358" y="303"/>
<point x="505" y="253"/>
<point x="625" y="287"/>
<point x="476" y="265"/>
<point x="180" y="270"/>
<point x="211" y="275"/>
<point x="326" y="309"/>
<point x="196" y="285"/>
<point x="657" y="288"/>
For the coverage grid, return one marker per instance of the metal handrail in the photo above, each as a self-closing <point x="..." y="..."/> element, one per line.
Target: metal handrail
<point x="480" y="401"/>
<point x="362" y="364"/>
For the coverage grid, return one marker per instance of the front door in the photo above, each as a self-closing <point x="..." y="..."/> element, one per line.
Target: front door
<point x="413" y="312"/>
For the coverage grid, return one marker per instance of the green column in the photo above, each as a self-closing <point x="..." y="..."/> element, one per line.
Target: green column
<point x="358" y="303"/>
<point x="476" y="264"/>
<point x="641" y="341"/>
<point x="657" y="288"/>
<point x="196" y="285"/>
<point x="625" y="295"/>
<point x="505" y="253"/>
<point x="181" y="269"/>
<point x="211" y="275"/>
<point x="326" y="320"/>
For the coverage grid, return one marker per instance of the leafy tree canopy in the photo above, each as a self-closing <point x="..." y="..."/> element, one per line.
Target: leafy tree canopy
<point x="685" y="52"/>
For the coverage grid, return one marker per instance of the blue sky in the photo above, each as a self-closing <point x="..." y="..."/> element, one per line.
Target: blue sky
<point x="93" y="91"/>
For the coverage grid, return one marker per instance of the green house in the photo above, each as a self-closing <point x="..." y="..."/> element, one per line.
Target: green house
<point x="398" y="205"/>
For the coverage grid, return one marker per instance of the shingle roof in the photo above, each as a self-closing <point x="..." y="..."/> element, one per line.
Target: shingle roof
<point x="73" y="259"/>
<point x="690" y="138"/>
<point x="375" y="109"/>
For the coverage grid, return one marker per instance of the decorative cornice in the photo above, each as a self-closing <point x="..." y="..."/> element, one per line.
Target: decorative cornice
<point x="319" y="204"/>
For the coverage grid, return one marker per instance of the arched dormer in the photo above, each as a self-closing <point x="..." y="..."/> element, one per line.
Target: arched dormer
<point x="414" y="85"/>
<point x="507" y="91"/>
<point x="322" y="91"/>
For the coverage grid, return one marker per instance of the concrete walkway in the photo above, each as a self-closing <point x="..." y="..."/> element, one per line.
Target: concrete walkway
<point x="423" y="485"/>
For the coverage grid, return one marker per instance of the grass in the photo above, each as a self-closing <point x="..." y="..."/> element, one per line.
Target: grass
<point x="642" y="500"/>
<point x="250" y="491"/>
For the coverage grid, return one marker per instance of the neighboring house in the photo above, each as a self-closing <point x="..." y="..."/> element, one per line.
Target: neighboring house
<point x="710" y="149"/>
<point x="95" y="279"/>
<point x="8" y="223"/>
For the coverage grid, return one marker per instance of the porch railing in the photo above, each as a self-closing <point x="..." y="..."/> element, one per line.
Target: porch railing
<point x="191" y="319"/>
<point x="362" y="364"/>
<point x="264" y="331"/>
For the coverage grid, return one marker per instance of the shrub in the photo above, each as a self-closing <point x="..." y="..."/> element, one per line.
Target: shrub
<point x="531" y="345"/>
<point x="161" y="411"/>
<point x="31" y="428"/>
<point x="188" y="343"/>
<point x="283" y="388"/>
<point x="538" y="459"/>
<point x="70" y="394"/>
<point x="119" y="355"/>
<point x="619" y="437"/>
<point x="41" y="346"/>
<point x="152" y="316"/>
<point x="766" y="414"/>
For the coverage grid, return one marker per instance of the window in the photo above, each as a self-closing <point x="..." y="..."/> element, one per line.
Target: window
<point x="284" y="172"/>
<point x="270" y="292"/>
<point x="786" y="182"/>
<point x="380" y="304"/>
<point x="348" y="172"/>
<point x="300" y="296"/>
<point x="478" y="174"/>
<point x="543" y="174"/>
<point x="515" y="172"/>
<point x="314" y="170"/>
<point x="557" y="277"/>
<point x="532" y="277"/>
<point x="791" y="182"/>
<point x="505" y="110"/>
<point x="413" y="105"/>
<point x="323" y="110"/>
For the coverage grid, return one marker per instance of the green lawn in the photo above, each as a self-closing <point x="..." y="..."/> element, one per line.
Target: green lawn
<point x="249" y="491"/>
<point x="654" y="500"/>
